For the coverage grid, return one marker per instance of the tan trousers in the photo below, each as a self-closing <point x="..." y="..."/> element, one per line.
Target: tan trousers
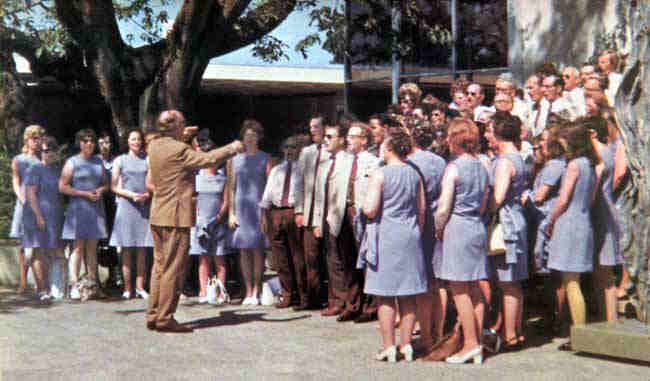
<point x="170" y="253"/>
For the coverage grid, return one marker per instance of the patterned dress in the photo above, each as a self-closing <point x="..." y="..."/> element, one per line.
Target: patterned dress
<point x="401" y="268"/>
<point x="209" y="200"/>
<point x="464" y="242"/>
<point x="23" y="162"/>
<point x="50" y="202"/>
<point x="131" y="226"/>
<point x="250" y="181"/>
<point x="85" y="219"/>
<point x="571" y="248"/>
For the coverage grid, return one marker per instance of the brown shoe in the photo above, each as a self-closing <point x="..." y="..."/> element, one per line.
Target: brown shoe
<point x="174" y="327"/>
<point x="151" y="325"/>
<point x="347" y="316"/>
<point x="446" y="347"/>
<point x="285" y="302"/>
<point x="331" y="311"/>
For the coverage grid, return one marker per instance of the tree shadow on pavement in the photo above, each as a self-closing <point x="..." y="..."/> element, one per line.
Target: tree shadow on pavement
<point x="233" y="317"/>
<point x="12" y="302"/>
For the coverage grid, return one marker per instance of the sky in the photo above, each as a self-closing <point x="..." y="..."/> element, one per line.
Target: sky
<point x="294" y="28"/>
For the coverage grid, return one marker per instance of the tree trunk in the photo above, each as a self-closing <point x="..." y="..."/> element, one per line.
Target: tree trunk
<point x="12" y="104"/>
<point x="633" y="113"/>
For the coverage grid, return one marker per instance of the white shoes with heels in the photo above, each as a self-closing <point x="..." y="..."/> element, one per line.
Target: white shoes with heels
<point x="475" y="354"/>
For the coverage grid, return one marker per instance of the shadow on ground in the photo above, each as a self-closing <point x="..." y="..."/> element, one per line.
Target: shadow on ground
<point x="12" y="302"/>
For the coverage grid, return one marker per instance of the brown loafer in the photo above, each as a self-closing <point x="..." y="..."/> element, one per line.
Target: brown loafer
<point x="347" y="316"/>
<point x="151" y="325"/>
<point x="285" y="302"/>
<point x="174" y="327"/>
<point x="331" y="311"/>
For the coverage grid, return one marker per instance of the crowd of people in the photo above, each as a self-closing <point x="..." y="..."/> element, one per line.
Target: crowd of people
<point x="423" y="207"/>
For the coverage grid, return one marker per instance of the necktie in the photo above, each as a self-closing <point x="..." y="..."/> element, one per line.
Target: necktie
<point x="353" y="177"/>
<point x="539" y="112"/>
<point x="327" y="186"/>
<point x="285" y="188"/>
<point x="313" y="188"/>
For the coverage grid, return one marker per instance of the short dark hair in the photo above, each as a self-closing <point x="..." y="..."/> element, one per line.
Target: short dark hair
<point x="507" y="127"/>
<point x="399" y="142"/>
<point x="126" y="136"/>
<point x="253" y="125"/>
<point x="596" y="123"/>
<point x="423" y="135"/>
<point x="83" y="135"/>
<point x="341" y="130"/>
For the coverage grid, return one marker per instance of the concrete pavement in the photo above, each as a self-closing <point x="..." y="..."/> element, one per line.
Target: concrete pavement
<point x="107" y="340"/>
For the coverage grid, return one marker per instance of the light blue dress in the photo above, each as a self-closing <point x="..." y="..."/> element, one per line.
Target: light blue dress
<point x="23" y="162"/>
<point x="400" y="268"/>
<point x="50" y="202"/>
<point x="85" y="219"/>
<point x="513" y="265"/>
<point x="431" y="167"/>
<point x="210" y="190"/>
<point x="607" y="228"/>
<point x="571" y="248"/>
<point x="464" y="242"/>
<point x="250" y="181"/>
<point x="131" y="226"/>
<point x="550" y="175"/>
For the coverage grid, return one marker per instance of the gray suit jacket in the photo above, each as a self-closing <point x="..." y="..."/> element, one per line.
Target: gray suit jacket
<point x="304" y="187"/>
<point x="366" y="165"/>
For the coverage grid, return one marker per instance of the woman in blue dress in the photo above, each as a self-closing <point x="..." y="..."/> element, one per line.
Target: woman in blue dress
<point x="510" y="177"/>
<point x="84" y="180"/>
<point x="538" y="202"/>
<point x="43" y="219"/>
<point x="131" y="230"/>
<point x="249" y="170"/>
<point x="571" y="248"/>
<point x="460" y="227"/>
<point x="607" y="228"/>
<point x="19" y="166"/>
<point x="396" y="200"/>
<point x="208" y="236"/>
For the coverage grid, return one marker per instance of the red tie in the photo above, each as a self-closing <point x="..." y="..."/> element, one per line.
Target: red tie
<point x="285" y="188"/>
<point x="327" y="186"/>
<point x="313" y="189"/>
<point x="353" y="177"/>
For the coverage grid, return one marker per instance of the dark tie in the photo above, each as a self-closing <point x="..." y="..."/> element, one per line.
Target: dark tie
<point x="539" y="112"/>
<point x="353" y="177"/>
<point x="285" y="188"/>
<point x="327" y="186"/>
<point x="313" y="189"/>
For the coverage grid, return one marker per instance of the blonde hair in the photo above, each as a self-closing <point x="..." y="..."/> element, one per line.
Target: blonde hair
<point x="30" y="132"/>
<point x="412" y="90"/>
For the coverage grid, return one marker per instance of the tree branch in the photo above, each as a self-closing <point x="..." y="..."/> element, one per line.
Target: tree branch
<point x="254" y="25"/>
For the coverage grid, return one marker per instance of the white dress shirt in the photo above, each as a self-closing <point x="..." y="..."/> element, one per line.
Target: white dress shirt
<point x="275" y="185"/>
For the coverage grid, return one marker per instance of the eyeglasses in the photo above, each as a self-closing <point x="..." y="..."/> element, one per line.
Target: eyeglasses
<point x="356" y="136"/>
<point x="329" y="136"/>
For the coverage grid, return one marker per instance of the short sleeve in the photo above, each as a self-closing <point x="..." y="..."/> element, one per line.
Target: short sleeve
<point x="552" y="173"/>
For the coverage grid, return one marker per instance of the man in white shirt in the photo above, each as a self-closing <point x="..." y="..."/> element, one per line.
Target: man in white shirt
<point x="277" y="206"/>
<point x="505" y="85"/>
<point x="475" y="97"/>
<point x="311" y="162"/>
<point x="573" y="92"/>
<point x="535" y="122"/>
<point x="552" y="86"/>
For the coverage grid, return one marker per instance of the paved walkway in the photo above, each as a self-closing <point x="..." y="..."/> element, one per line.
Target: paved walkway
<point x="107" y="340"/>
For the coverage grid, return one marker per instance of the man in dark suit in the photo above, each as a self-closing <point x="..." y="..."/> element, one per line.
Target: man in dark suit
<point x="172" y="165"/>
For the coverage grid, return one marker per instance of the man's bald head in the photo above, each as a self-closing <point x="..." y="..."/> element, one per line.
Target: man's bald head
<point x="170" y="123"/>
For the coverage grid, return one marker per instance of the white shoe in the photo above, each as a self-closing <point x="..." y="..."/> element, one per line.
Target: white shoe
<point x="126" y="295"/>
<point x="74" y="292"/>
<point x="203" y="299"/>
<point x="254" y="301"/>
<point x="55" y="293"/>
<point x="475" y="354"/>
<point x="142" y="293"/>
<point x="223" y="294"/>
<point x="246" y="301"/>
<point x="43" y="296"/>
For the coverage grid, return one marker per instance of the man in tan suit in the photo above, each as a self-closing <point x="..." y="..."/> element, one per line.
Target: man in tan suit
<point x="172" y="165"/>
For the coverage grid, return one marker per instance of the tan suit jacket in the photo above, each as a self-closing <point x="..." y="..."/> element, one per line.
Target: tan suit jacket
<point x="303" y="187"/>
<point x="337" y="192"/>
<point x="172" y="165"/>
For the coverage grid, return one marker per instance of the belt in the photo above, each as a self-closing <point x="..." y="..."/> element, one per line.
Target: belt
<point x="281" y="207"/>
